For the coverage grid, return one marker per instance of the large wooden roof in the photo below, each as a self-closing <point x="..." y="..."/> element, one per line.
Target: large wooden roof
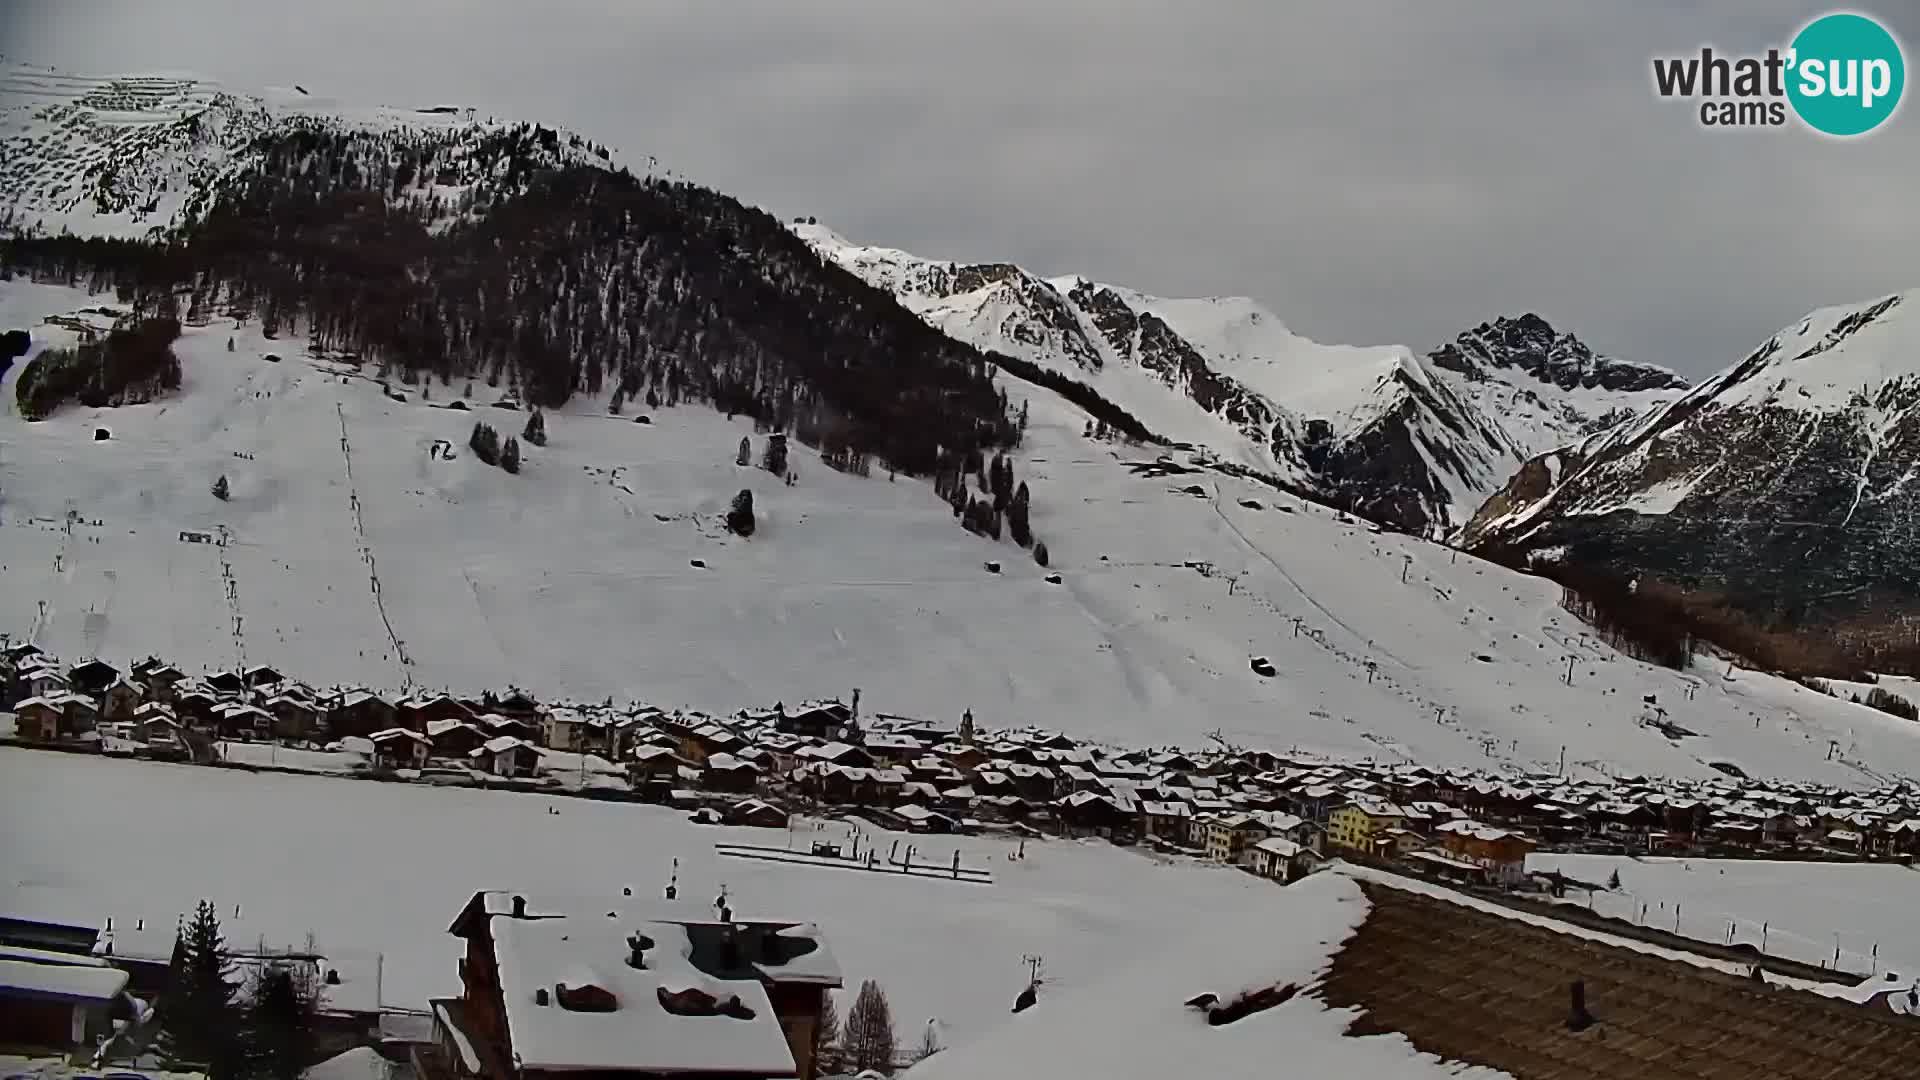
<point x="1472" y="986"/>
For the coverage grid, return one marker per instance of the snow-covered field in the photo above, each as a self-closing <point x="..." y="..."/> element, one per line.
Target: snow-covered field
<point x="1808" y="910"/>
<point x="384" y="867"/>
<point x="576" y="578"/>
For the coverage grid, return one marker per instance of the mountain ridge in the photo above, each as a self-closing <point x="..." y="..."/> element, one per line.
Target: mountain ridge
<point x="1415" y="441"/>
<point x="1783" y="482"/>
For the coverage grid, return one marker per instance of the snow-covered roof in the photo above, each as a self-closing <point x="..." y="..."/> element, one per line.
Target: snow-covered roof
<point x="639" y="1033"/>
<point x="67" y="982"/>
<point x="1133" y="1024"/>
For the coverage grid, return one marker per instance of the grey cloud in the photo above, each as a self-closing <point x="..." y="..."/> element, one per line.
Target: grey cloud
<point x="1375" y="170"/>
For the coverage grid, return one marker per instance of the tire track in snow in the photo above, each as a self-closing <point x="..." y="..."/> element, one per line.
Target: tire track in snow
<point x="366" y="551"/>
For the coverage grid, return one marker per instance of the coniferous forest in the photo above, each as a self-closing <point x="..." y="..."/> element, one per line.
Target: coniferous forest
<point x="506" y="255"/>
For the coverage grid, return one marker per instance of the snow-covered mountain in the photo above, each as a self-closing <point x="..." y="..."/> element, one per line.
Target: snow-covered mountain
<point x="366" y="544"/>
<point x="1785" y="482"/>
<point x="124" y="156"/>
<point x="1415" y="442"/>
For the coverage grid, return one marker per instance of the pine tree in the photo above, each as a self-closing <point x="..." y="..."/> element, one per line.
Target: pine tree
<point x="1040" y="554"/>
<point x="1018" y="526"/>
<point x="740" y="516"/>
<point x="746" y="451"/>
<point x="199" y="1018"/>
<point x="828" y="1058"/>
<point x="870" y="1042"/>
<point x="1613" y="882"/>
<point x="619" y="399"/>
<point x="510" y="455"/>
<point x="653" y="398"/>
<point x="775" y="458"/>
<point x="220" y="489"/>
<point x="536" y="430"/>
<point x="229" y="344"/>
<point x="485" y="443"/>
<point x="280" y="1025"/>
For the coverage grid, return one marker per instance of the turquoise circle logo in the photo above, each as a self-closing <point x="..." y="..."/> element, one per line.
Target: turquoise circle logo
<point x="1847" y="74"/>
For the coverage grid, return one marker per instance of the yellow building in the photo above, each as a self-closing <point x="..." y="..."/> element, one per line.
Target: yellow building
<point x="1358" y="823"/>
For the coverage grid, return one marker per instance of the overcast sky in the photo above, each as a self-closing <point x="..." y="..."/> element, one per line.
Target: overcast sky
<point x="1372" y="170"/>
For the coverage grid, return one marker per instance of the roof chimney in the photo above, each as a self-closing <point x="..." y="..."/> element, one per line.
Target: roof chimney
<point x="540" y="993"/>
<point x="638" y="944"/>
<point x="520" y="909"/>
<point x="1580" y="1019"/>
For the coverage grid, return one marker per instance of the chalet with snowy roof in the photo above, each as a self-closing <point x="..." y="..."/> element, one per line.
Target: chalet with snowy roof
<point x="235" y="719"/>
<point x="563" y="729"/>
<point x="295" y="716"/>
<point x="92" y="676"/>
<point x="226" y="682"/>
<point x="626" y="988"/>
<point x="1502" y="853"/>
<point x="816" y="719"/>
<point x="506" y="756"/>
<point x="39" y="682"/>
<point x="193" y="703"/>
<point x="40" y="718"/>
<point x="755" y="813"/>
<point x="1277" y="858"/>
<point x="455" y="739"/>
<point x="959" y="755"/>
<point x="359" y="712"/>
<point x="497" y="725"/>
<point x="891" y="749"/>
<point x="724" y="772"/>
<point x="1229" y="836"/>
<point x="400" y="748"/>
<point x="1086" y="813"/>
<point x="417" y="712"/>
<point x="1361" y="821"/>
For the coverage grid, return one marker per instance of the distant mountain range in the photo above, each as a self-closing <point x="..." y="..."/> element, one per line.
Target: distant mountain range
<point x="1786" y="483"/>
<point x="440" y="247"/>
<point x="1414" y="441"/>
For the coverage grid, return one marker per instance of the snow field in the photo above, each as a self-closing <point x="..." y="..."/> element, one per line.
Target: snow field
<point x="383" y="868"/>
<point x="575" y="578"/>
<point x="1809" y="909"/>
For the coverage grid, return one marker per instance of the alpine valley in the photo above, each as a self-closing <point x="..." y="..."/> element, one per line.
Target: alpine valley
<point x="282" y="323"/>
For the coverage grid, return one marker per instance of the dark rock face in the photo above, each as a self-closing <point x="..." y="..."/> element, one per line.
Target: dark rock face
<point x="1147" y="340"/>
<point x="1797" y="510"/>
<point x="1530" y="345"/>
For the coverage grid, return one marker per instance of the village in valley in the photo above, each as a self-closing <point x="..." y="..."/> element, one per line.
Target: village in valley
<point x="1278" y="816"/>
<point x="1275" y="813"/>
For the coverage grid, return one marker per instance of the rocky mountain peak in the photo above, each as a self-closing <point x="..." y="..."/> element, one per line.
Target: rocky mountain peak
<point x="1529" y="344"/>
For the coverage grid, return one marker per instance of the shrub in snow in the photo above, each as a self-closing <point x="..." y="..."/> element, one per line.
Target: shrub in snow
<point x="745" y="456"/>
<point x="740" y="515"/>
<point x="485" y="443"/>
<point x="510" y="456"/>
<point x="220" y="489"/>
<point x="643" y="418"/>
<point x="1040" y="554"/>
<point x="101" y="434"/>
<point x="536" y="430"/>
<point x="775" y="458"/>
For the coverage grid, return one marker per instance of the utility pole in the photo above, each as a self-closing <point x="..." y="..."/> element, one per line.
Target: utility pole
<point x="1563" y="761"/>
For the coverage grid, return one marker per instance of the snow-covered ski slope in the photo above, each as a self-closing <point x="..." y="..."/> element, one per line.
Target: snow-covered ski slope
<point x="357" y="553"/>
